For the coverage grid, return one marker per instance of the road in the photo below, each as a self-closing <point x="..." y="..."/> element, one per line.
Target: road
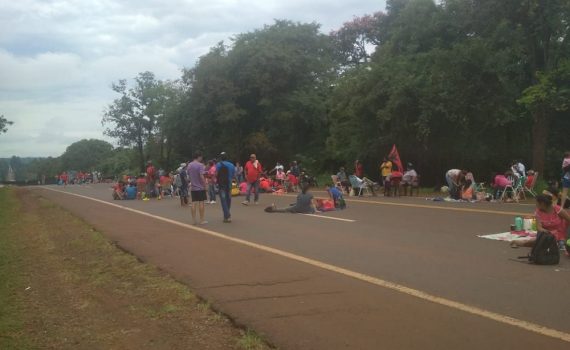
<point x="396" y="273"/>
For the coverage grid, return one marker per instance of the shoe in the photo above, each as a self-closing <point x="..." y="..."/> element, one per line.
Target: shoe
<point x="245" y="202"/>
<point x="256" y="203"/>
<point x="227" y="221"/>
<point x="212" y="202"/>
<point x="203" y="223"/>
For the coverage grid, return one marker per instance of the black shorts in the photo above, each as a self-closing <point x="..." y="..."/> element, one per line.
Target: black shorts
<point x="198" y="196"/>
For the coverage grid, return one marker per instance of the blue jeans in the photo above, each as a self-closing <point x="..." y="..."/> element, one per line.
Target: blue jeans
<point x="226" y="199"/>
<point x="212" y="192"/>
<point x="255" y="186"/>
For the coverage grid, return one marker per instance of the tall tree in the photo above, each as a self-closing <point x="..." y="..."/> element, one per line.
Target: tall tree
<point x="134" y="118"/>
<point x="85" y="155"/>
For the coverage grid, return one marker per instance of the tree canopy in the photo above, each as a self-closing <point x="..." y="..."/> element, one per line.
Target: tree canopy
<point x="455" y="84"/>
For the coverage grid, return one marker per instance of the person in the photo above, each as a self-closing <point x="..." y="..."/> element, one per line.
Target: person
<point x="335" y="194"/>
<point x="467" y="190"/>
<point x="554" y="192"/>
<point x="196" y="171"/>
<point x="305" y="204"/>
<point x="239" y="173"/>
<point x="280" y="176"/>
<point x="211" y="181"/>
<point x="225" y="173"/>
<point x="343" y="179"/>
<point x="529" y="179"/>
<point x="131" y="191"/>
<point x="385" y="169"/>
<point x="295" y="169"/>
<point x="183" y="184"/>
<point x="551" y="218"/>
<point x="358" y="169"/>
<point x="150" y="179"/>
<point x="64" y="178"/>
<point x="454" y="179"/>
<point x="253" y="171"/>
<point x="518" y="168"/>
<point x="500" y="182"/>
<point x="410" y="179"/>
<point x="119" y="191"/>
<point x="565" y="177"/>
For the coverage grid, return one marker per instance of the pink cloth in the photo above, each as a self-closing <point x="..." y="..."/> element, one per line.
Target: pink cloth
<point x="552" y="222"/>
<point x="501" y="181"/>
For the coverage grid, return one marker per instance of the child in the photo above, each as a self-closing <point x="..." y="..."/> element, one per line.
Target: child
<point x="335" y="194"/>
<point x="211" y="180"/>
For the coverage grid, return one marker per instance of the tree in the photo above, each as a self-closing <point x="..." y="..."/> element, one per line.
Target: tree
<point x="4" y="123"/>
<point x="134" y="118"/>
<point x="85" y="155"/>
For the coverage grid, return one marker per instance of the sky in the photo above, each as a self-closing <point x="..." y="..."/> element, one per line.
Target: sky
<point x="58" y="58"/>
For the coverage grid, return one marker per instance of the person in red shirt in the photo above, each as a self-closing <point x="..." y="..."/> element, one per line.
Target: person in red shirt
<point x="358" y="169"/>
<point x="64" y="178"/>
<point x="253" y="171"/>
<point x="150" y="179"/>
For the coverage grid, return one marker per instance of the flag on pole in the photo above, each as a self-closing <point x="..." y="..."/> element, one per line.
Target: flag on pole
<point x="394" y="157"/>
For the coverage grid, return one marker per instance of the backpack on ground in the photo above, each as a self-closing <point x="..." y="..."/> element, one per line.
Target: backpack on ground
<point x="545" y="250"/>
<point x="223" y="177"/>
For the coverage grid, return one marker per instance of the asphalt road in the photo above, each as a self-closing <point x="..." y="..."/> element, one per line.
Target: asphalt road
<point x="428" y="246"/>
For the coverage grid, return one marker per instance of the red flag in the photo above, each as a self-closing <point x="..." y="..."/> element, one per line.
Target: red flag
<point x="394" y="157"/>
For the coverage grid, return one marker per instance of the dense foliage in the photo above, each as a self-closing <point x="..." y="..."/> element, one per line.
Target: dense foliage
<point x="471" y="84"/>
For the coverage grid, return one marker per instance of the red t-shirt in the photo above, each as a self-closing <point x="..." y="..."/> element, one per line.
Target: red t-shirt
<point x="359" y="171"/>
<point x="252" y="172"/>
<point x="150" y="172"/>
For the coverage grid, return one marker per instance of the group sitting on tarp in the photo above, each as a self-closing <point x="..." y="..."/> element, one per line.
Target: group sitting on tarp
<point x="123" y="190"/>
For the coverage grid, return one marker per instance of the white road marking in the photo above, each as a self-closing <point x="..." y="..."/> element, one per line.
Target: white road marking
<point x="329" y="217"/>
<point x="473" y="310"/>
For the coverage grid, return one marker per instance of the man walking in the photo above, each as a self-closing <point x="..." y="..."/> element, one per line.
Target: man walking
<point x="252" y="171"/>
<point x="225" y="173"/>
<point x="195" y="173"/>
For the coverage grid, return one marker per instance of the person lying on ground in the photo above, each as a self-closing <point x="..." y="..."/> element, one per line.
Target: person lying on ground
<point x="305" y="204"/>
<point x="551" y="218"/>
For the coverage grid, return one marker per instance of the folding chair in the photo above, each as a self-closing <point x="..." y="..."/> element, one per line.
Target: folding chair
<point x="359" y="185"/>
<point x="510" y="188"/>
<point x="530" y="189"/>
<point x="519" y="187"/>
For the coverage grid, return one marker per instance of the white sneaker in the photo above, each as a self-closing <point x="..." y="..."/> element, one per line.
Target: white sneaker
<point x="256" y="203"/>
<point x="245" y="203"/>
<point x="213" y="202"/>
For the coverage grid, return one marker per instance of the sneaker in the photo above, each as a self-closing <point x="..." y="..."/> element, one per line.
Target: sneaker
<point x="256" y="203"/>
<point x="203" y="223"/>
<point x="245" y="202"/>
<point x="212" y="202"/>
<point x="227" y="221"/>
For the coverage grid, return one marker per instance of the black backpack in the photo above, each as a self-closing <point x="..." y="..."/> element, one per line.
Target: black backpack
<point x="223" y="177"/>
<point x="545" y="250"/>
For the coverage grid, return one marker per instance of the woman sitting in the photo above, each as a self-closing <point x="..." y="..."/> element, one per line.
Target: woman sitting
<point x="305" y="204"/>
<point x="551" y="218"/>
<point x="119" y="191"/>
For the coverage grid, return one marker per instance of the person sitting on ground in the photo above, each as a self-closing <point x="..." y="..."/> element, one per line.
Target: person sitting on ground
<point x="305" y="204"/>
<point x="335" y="194"/>
<point x="551" y="218"/>
<point x="131" y="192"/>
<point x="467" y="190"/>
<point x="343" y="179"/>
<point x="119" y="191"/>
<point x="454" y="179"/>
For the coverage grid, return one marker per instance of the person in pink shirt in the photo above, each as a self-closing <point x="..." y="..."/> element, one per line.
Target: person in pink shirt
<point x="211" y="180"/>
<point x="501" y="181"/>
<point x="549" y="217"/>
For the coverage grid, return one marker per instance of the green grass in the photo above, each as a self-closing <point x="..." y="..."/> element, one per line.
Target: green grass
<point x="11" y="285"/>
<point x="250" y="341"/>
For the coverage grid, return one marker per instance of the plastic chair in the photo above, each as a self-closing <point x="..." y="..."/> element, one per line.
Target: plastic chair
<point x="359" y="185"/>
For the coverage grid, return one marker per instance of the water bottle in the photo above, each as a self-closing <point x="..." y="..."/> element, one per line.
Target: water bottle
<point x="518" y="223"/>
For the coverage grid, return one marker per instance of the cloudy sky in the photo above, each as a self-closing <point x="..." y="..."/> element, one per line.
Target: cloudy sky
<point x="59" y="57"/>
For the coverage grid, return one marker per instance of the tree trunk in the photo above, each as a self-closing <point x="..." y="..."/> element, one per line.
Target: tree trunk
<point x="539" y="139"/>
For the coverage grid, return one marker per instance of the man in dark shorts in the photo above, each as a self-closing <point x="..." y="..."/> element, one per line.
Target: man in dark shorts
<point x="196" y="171"/>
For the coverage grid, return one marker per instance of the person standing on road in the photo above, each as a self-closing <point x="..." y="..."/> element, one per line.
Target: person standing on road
<point x="196" y="171"/>
<point x="183" y="184"/>
<point x="150" y="179"/>
<point x="252" y="171"/>
<point x="225" y="172"/>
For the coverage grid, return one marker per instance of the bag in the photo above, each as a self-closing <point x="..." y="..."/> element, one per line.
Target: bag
<point x="545" y="250"/>
<point x="223" y="176"/>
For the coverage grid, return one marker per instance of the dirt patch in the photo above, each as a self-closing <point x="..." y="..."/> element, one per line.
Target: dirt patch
<point x="75" y="290"/>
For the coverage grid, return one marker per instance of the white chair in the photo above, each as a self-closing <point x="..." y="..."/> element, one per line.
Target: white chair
<point x="359" y="185"/>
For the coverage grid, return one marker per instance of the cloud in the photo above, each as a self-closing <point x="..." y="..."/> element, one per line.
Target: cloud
<point x="58" y="58"/>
